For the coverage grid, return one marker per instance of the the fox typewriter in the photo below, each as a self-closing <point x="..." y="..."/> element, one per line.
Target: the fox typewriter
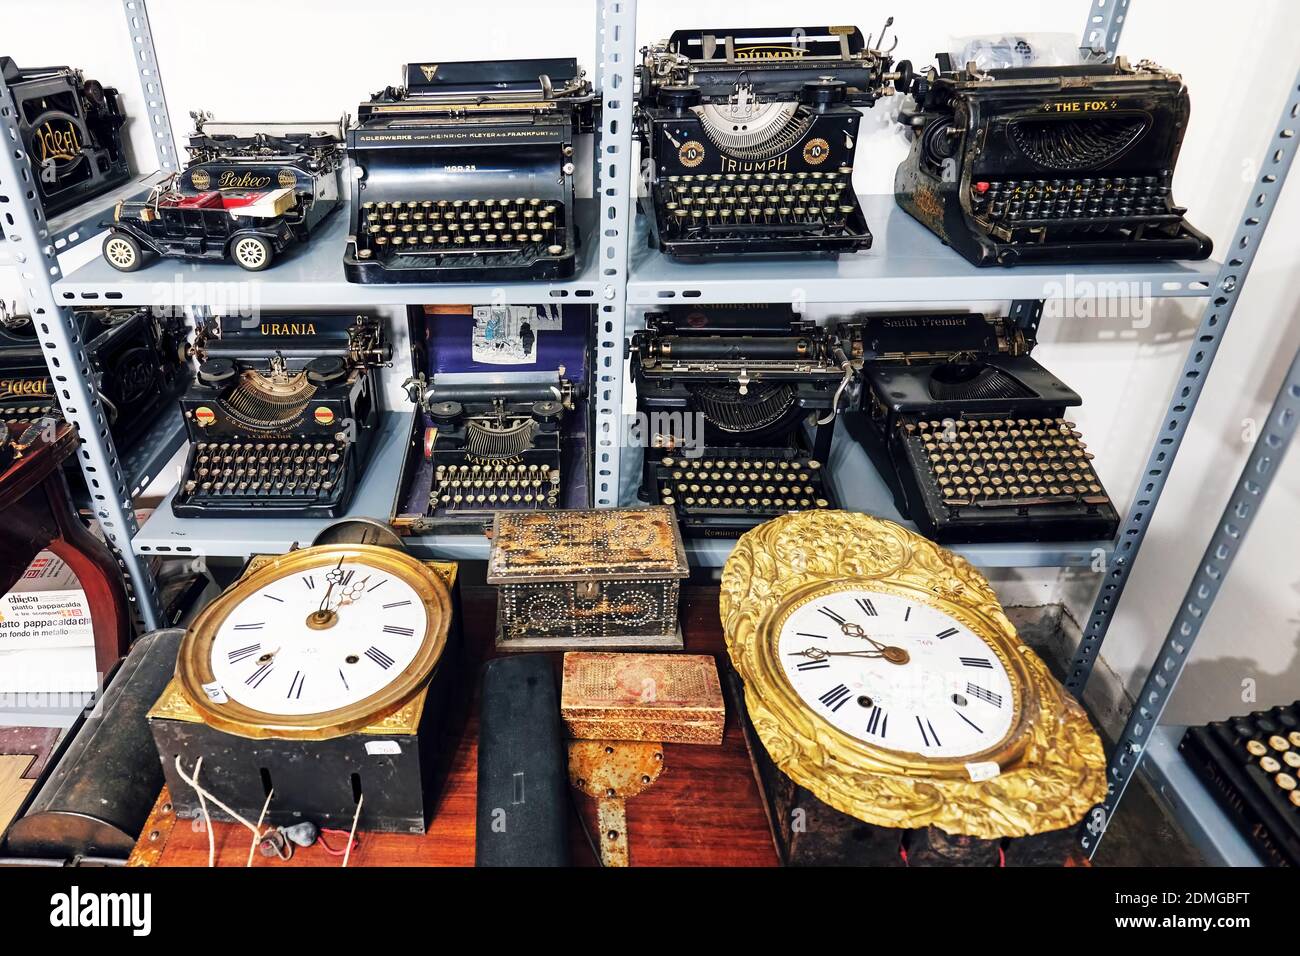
<point x="968" y="431"/>
<point x="751" y="136"/>
<point x="1049" y="164"/>
<point x="465" y="173"/>
<point x="280" y="416"/>
<point x="71" y="130"/>
<point x="725" y="393"/>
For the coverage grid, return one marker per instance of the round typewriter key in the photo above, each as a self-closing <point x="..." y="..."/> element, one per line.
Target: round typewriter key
<point x="1285" y="781"/>
<point x="1269" y="765"/>
<point x="1291" y="758"/>
<point x="1278" y="742"/>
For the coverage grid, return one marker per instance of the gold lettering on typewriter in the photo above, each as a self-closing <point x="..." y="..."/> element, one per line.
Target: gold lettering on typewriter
<point x="1080" y="106"/>
<point x="430" y="70"/>
<point x="14" y="387"/>
<point x="775" y="164"/>
<point x="288" y="328"/>
<point x="816" y="151"/>
<point x="57" y="143"/>
<point x="200" y="179"/>
<point x="246" y="180"/>
<point x="691" y="154"/>
<point x="769" y="53"/>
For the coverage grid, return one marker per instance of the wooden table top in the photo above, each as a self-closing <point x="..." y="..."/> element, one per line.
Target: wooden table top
<point x="704" y="810"/>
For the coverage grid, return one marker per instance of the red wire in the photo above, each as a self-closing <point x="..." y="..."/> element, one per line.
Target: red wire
<point x="331" y="850"/>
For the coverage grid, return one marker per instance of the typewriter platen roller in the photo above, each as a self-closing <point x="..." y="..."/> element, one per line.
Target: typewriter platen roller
<point x="969" y="432"/>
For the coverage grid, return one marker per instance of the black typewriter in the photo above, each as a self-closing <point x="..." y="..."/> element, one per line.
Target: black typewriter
<point x="724" y="394"/>
<point x="280" y="416"/>
<point x="751" y="135"/>
<point x="494" y="443"/>
<point x="1049" y="164"/>
<point x="1252" y="766"/>
<point x="465" y="173"/>
<point x="968" y="431"/>
<point x="71" y="128"/>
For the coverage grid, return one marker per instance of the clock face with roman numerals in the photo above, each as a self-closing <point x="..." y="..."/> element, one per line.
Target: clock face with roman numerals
<point x="896" y="673"/>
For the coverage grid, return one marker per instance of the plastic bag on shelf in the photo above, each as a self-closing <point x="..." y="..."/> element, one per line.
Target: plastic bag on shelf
<point x="1005" y="51"/>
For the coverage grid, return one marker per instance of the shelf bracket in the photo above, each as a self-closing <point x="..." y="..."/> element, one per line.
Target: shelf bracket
<point x="151" y="87"/>
<point x="1027" y="314"/>
<point x="1101" y="32"/>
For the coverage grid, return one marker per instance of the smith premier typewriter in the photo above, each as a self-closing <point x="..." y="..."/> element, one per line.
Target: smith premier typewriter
<point x="280" y="416"/>
<point x="724" y="393"/>
<point x="751" y="136"/>
<point x="969" y="433"/>
<point x="1252" y="765"/>
<point x="465" y="173"/>
<point x="1049" y="164"/>
<point x="71" y="129"/>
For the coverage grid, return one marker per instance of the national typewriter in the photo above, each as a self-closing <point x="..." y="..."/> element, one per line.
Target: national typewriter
<point x="725" y="393"/>
<point x="751" y="136"/>
<point x="71" y="130"/>
<point x="1252" y="766"/>
<point x="465" y="174"/>
<point x="1049" y="164"/>
<point x="281" y="415"/>
<point x="968" y="431"/>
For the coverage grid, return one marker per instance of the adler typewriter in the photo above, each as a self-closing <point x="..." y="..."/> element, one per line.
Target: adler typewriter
<point x="281" y="415"/>
<point x="465" y="173"/>
<point x="1252" y="766"/>
<point x="71" y="129"/>
<point x="751" y="136"/>
<point x="968" y="431"/>
<point x="724" y="393"/>
<point x="1049" y="164"/>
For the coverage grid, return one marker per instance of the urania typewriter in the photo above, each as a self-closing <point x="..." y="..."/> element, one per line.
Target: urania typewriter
<point x="725" y="393"/>
<point x="751" y="136"/>
<point x="465" y="173"/>
<point x="1252" y="766"/>
<point x="280" y="416"/>
<point x="968" y="431"/>
<point x="71" y="129"/>
<point x="1049" y="164"/>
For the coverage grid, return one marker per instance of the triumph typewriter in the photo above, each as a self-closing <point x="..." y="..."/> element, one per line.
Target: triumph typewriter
<point x="1049" y="164"/>
<point x="724" y="393"/>
<point x="465" y="174"/>
<point x="71" y="129"/>
<point x="968" y="432"/>
<point x="751" y="136"/>
<point x="281" y="415"/>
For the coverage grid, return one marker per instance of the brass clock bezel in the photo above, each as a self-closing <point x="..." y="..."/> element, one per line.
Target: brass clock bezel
<point x="194" y="666"/>
<point x="784" y="695"/>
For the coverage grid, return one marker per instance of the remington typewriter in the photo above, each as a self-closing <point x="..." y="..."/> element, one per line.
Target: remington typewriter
<point x="281" y="415"/>
<point x="1252" y="766"/>
<point x="724" y="393"/>
<point x="751" y="136"/>
<point x="968" y="431"/>
<point x="465" y="173"/>
<point x="1049" y="164"/>
<point x="71" y="129"/>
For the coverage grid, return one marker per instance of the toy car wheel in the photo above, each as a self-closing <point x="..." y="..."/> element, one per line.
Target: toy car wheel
<point x="252" y="253"/>
<point x="123" y="253"/>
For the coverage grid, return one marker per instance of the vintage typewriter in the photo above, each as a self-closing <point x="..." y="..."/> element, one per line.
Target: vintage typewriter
<point x="724" y="393"/>
<point x="751" y="135"/>
<point x="465" y="174"/>
<point x="281" y="415"/>
<point x="1252" y="766"/>
<point x="968" y="431"/>
<point x="1049" y="164"/>
<point x="71" y="129"/>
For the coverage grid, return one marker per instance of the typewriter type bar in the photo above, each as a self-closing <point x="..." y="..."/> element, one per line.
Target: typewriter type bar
<point x="1252" y="766"/>
<point x="1063" y="164"/>
<point x="466" y="173"/>
<point x="281" y="415"/>
<point x="71" y="129"/>
<point x="969" y="432"/>
<point x="725" y="392"/>
<point x="752" y="136"/>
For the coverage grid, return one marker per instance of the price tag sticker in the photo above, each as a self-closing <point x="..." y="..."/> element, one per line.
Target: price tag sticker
<point x="216" y="693"/>
<point x="983" y="770"/>
<point x="381" y="748"/>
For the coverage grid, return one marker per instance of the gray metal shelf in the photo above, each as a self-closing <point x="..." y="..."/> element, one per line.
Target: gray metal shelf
<point x="82" y="222"/>
<point x="146" y="457"/>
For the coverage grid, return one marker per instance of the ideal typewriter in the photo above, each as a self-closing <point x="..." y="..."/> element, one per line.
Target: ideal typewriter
<point x="465" y="173"/>
<point x="1049" y="164"/>
<point x="724" y="393"/>
<point x="71" y="129"/>
<point x="751" y="136"/>
<point x="968" y="432"/>
<point x="281" y="415"/>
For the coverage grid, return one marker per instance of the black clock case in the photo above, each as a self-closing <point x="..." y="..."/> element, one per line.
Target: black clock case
<point x="399" y="775"/>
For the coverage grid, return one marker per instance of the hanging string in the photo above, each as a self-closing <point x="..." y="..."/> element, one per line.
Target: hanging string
<point x="204" y="796"/>
<point x="252" y="847"/>
<point x="351" y="836"/>
<point x="203" y="807"/>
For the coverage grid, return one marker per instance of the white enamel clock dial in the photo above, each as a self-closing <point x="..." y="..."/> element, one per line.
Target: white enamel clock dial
<point x="896" y="673"/>
<point x="317" y="640"/>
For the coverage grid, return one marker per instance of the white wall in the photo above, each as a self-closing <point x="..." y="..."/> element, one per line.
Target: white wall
<point x="293" y="59"/>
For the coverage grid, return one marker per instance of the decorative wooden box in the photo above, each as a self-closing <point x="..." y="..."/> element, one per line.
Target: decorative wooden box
<point x="576" y="580"/>
<point x="673" y="698"/>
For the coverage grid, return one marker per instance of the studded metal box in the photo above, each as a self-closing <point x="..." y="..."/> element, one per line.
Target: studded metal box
<point x="587" y="580"/>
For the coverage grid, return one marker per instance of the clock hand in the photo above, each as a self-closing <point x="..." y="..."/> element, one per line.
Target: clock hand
<point x="334" y="577"/>
<point x="817" y="654"/>
<point x="856" y="630"/>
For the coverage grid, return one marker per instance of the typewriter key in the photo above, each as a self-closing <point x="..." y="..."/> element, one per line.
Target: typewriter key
<point x="1285" y="781"/>
<point x="1269" y="765"/>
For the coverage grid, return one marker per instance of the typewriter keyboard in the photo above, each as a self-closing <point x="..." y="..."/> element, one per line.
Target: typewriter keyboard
<point x="1086" y="201"/>
<point x="293" y="475"/>
<point x="727" y="496"/>
<point x="26" y="413"/>
<point x="757" y="204"/>
<point x="495" y="485"/>
<point x="461" y="227"/>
